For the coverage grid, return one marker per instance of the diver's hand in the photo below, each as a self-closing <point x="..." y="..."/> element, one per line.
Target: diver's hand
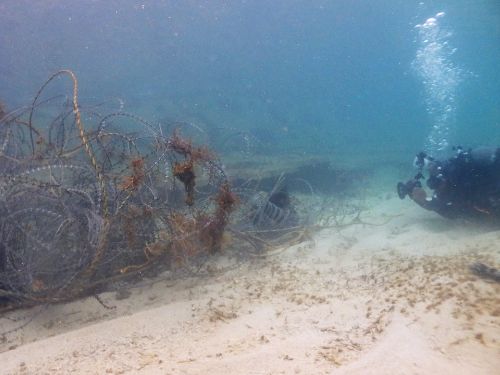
<point x="406" y="188"/>
<point x="419" y="196"/>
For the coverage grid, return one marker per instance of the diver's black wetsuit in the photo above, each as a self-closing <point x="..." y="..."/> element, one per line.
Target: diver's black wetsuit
<point x="466" y="185"/>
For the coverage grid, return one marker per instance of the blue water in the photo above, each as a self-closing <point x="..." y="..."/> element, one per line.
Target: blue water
<point x="316" y="76"/>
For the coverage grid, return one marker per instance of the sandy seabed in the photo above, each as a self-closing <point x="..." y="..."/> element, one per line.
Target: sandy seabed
<point x="391" y="299"/>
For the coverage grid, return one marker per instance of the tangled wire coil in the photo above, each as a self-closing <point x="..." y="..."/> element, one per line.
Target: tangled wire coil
<point x="81" y="206"/>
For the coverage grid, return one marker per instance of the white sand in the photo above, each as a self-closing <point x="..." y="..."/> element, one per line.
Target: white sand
<point x="391" y="299"/>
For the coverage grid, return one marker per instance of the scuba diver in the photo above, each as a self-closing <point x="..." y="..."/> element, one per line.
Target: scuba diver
<point x="466" y="185"/>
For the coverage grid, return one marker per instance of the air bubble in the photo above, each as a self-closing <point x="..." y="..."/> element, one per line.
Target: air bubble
<point x="440" y="78"/>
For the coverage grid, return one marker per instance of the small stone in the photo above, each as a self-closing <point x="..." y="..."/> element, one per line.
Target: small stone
<point x="122" y="294"/>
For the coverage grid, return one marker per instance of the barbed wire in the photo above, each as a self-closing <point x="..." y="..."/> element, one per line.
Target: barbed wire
<point x="89" y="199"/>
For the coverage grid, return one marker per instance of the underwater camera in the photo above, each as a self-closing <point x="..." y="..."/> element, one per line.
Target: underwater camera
<point x="405" y="188"/>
